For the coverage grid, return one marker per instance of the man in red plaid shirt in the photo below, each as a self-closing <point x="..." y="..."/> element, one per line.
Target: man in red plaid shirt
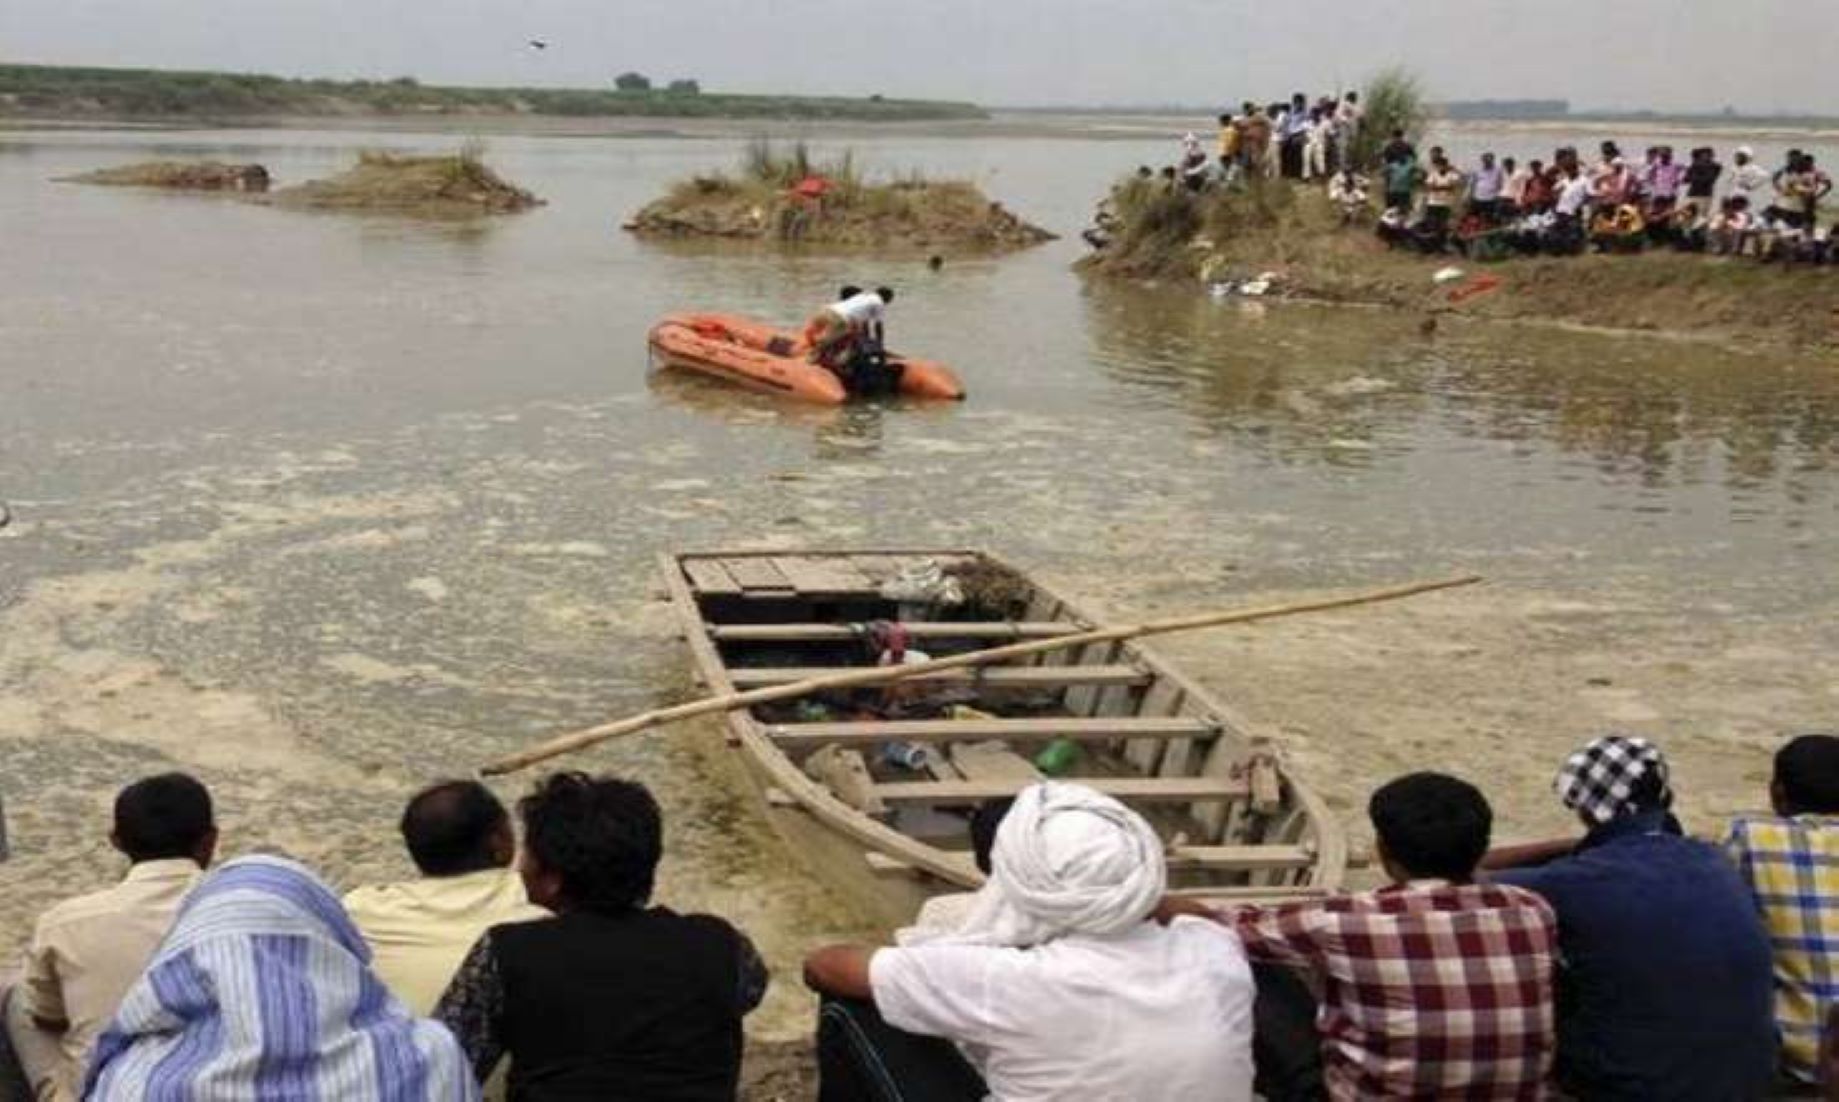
<point x="1433" y="987"/>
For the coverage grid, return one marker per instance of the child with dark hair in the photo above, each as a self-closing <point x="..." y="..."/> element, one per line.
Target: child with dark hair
<point x="612" y="998"/>
<point x="1790" y="860"/>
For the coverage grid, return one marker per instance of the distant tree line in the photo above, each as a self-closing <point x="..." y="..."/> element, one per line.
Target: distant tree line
<point x="72" y="92"/>
<point x="638" y="82"/>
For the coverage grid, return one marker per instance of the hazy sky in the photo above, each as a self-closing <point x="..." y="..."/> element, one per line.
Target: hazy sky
<point x="1759" y="55"/>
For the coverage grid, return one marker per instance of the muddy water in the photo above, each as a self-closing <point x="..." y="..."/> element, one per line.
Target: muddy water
<point x="321" y="507"/>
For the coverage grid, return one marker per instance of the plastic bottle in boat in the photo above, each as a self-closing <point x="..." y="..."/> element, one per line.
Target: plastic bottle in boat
<point x="911" y="756"/>
<point x="1057" y="758"/>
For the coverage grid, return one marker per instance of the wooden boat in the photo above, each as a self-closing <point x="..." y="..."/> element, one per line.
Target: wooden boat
<point x="759" y="357"/>
<point x="1239" y="826"/>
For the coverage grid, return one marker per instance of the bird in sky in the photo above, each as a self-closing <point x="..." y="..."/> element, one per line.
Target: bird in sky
<point x="538" y="44"/>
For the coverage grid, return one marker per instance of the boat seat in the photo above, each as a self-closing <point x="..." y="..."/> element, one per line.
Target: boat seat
<point x="1129" y="789"/>
<point x="1180" y="859"/>
<point x="991" y="761"/>
<point x="1008" y="677"/>
<point x="793" y="735"/>
<point x="916" y="629"/>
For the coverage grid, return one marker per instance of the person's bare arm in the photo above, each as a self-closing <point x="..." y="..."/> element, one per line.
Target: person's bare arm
<point x="1173" y="906"/>
<point x="840" y="970"/>
<point x="1527" y="854"/>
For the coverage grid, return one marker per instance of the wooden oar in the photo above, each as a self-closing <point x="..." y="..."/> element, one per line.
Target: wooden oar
<point x="881" y="675"/>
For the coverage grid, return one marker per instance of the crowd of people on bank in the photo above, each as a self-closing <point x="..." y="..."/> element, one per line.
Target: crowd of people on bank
<point x="1629" y="962"/>
<point x="1499" y="207"/>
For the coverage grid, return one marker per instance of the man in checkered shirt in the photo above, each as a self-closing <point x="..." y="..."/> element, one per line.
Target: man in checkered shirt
<point x="1790" y="860"/>
<point x="1663" y="991"/>
<point x="1434" y="987"/>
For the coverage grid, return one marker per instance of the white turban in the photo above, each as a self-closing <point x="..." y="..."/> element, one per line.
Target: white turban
<point x="1067" y="860"/>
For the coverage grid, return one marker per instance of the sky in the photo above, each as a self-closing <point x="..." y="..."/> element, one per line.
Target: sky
<point x="1755" y="55"/>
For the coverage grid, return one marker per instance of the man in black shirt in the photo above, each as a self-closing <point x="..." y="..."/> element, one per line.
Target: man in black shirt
<point x="610" y="998"/>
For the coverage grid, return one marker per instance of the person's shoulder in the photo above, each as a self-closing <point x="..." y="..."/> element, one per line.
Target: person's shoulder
<point x="101" y="905"/>
<point x="695" y="924"/>
<point x="1747" y="825"/>
<point x="366" y="897"/>
<point x="1502" y="896"/>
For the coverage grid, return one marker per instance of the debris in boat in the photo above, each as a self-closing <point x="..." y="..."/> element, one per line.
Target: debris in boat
<point x="181" y="176"/>
<point x="985" y="585"/>
<point x="922" y="583"/>
<point x="1058" y="757"/>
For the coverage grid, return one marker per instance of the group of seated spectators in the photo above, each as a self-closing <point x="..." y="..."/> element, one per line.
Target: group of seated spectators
<point x="1501" y="208"/>
<point x="253" y="980"/>
<point x="1630" y="962"/>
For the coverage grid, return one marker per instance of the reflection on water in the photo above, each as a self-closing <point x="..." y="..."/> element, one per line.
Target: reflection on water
<point x="1296" y="383"/>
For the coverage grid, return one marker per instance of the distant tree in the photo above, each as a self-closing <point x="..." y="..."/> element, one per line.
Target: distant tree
<point x="406" y="82"/>
<point x="684" y="88"/>
<point x="876" y="98"/>
<point x="1392" y="100"/>
<point x="632" y="82"/>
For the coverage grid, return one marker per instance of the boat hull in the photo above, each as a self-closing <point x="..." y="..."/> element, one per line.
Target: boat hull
<point x="742" y="351"/>
<point x="1240" y="826"/>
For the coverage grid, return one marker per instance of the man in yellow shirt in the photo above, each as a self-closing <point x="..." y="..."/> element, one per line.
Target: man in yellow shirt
<point x="86" y="952"/>
<point x="462" y="841"/>
<point x="1791" y="861"/>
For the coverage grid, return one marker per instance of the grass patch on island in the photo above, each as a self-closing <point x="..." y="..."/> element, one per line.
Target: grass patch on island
<point x="459" y="183"/>
<point x="788" y="194"/>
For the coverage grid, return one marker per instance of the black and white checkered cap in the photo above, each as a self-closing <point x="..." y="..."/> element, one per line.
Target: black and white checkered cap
<point x="1597" y="781"/>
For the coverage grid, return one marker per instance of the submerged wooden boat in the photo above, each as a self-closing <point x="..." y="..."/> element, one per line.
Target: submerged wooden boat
<point x="847" y="788"/>
<point x="759" y="357"/>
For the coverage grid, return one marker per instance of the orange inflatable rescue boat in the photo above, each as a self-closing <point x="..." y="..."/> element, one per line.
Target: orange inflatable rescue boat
<point x="762" y="358"/>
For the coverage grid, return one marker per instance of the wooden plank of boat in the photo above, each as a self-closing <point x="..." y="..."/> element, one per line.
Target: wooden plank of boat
<point x="1139" y="789"/>
<point x="991" y="761"/>
<point x="756" y="574"/>
<point x="800" y="735"/>
<point x="916" y="629"/>
<point x="1008" y="677"/>
<point x="822" y="575"/>
<point x="1253" y="895"/>
<point x="1180" y="859"/>
<point x="708" y="576"/>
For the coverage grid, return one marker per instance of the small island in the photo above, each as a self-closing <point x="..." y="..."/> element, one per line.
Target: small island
<point x="441" y="186"/>
<point x="181" y="176"/>
<point x="457" y="184"/>
<point x="792" y="198"/>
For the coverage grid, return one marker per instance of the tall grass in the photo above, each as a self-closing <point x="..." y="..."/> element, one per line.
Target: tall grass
<point x="767" y="163"/>
<point x="1394" y="100"/>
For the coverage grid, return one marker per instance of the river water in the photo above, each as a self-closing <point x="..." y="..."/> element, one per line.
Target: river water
<point x="323" y="506"/>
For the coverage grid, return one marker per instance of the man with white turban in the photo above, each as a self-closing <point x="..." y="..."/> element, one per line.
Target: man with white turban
<point x="1057" y="985"/>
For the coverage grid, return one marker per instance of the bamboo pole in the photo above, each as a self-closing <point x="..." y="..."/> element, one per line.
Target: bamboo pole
<point x="881" y="675"/>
